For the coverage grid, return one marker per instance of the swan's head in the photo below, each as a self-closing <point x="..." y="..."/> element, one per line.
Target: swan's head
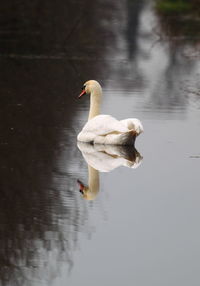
<point x="86" y="192"/>
<point x="91" y="86"/>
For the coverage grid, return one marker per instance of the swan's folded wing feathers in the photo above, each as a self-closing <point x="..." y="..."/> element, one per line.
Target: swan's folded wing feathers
<point x="103" y="125"/>
<point x="133" y="124"/>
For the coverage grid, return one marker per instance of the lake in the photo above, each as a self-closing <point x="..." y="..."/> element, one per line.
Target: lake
<point x="142" y="225"/>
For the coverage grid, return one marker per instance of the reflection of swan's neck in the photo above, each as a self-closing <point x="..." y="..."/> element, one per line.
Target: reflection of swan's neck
<point x="93" y="183"/>
<point x="95" y="102"/>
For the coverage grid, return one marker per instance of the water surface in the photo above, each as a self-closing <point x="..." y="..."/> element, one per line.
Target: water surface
<point x="143" y="225"/>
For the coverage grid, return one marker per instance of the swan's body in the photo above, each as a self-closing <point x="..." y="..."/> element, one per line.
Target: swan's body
<point x="105" y="129"/>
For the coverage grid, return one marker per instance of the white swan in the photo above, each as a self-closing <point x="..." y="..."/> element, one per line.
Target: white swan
<point x="104" y="158"/>
<point x="105" y="129"/>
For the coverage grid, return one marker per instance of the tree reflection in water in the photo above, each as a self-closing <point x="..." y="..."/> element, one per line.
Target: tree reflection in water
<point x="39" y="216"/>
<point x="40" y="213"/>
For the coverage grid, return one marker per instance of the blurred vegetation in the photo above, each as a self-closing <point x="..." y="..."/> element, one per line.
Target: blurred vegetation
<point x="170" y="6"/>
<point x="178" y="6"/>
<point x="180" y="19"/>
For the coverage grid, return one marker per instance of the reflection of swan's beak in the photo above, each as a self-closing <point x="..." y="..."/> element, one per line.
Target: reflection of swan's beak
<point x="81" y="186"/>
<point x="88" y="194"/>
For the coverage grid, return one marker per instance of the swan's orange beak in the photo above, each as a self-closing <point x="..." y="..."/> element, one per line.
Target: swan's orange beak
<point x="82" y="93"/>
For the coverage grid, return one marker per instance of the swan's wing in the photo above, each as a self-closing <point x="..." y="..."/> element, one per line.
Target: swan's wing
<point x="133" y="124"/>
<point x="104" y="124"/>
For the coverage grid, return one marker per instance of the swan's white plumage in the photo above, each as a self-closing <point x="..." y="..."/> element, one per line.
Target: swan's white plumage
<point x="133" y="124"/>
<point x="105" y="129"/>
<point x="104" y="124"/>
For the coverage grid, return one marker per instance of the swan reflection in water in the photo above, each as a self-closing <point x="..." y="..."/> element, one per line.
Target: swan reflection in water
<point x="104" y="158"/>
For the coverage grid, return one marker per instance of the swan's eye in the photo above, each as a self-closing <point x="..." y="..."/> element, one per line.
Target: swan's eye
<point x="83" y="88"/>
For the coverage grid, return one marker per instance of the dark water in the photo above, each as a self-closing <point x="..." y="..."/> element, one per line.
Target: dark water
<point x="143" y="226"/>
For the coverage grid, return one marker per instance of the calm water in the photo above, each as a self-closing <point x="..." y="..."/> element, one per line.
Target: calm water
<point x="143" y="226"/>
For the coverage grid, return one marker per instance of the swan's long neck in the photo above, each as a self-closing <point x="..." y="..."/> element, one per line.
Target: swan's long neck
<point x="93" y="181"/>
<point x="95" y="102"/>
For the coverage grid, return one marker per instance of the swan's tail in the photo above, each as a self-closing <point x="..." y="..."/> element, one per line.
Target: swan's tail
<point x="128" y="138"/>
<point x="124" y="139"/>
